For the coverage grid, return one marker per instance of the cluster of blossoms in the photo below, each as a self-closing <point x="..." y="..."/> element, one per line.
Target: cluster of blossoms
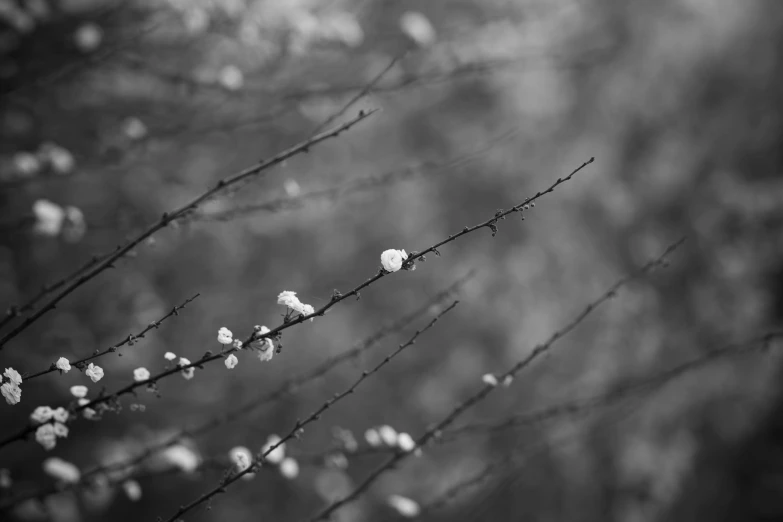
<point x="52" y="425"/>
<point x="80" y="392"/>
<point x="187" y="373"/>
<point x="388" y="436"/>
<point x="491" y="380"/>
<point x="265" y="347"/>
<point x="289" y="299"/>
<point x="392" y="260"/>
<point x="242" y="459"/>
<point x="10" y="388"/>
<point x="53" y="220"/>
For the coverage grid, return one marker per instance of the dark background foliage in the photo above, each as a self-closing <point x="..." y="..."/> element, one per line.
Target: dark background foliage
<point x="678" y="100"/>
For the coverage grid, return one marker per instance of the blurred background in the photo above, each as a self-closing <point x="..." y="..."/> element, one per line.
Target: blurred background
<point x="114" y="112"/>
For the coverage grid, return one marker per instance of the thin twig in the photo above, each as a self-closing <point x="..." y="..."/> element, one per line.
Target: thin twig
<point x="300" y="424"/>
<point x="130" y="340"/>
<point x="169" y="217"/>
<point x="435" y="431"/>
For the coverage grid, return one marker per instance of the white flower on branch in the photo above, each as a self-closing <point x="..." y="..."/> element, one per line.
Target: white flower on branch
<point x="388" y="435"/>
<point x="225" y="336"/>
<point x="13" y="376"/>
<point x="41" y="414"/>
<point x="49" y="217"/>
<point x="507" y="380"/>
<point x="418" y="28"/>
<point x="45" y="436"/>
<point x="11" y="393"/>
<point x="169" y="356"/>
<point x="289" y="468"/>
<point x="277" y="455"/>
<point x="94" y="372"/>
<point x="187" y="373"/>
<point x="289" y="299"/>
<point x="60" y="429"/>
<point x="231" y="361"/>
<point x="63" y="364"/>
<point x="132" y="489"/>
<point x="404" y="506"/>
<point x="87" y="413"/>
<point x="141" y="374"/>
<point x="61" y="470"/>
<point x="79" y="391"/>
<point x="405" y="442"/>
<point x="373" y="438"/>
<point x="182" y="457"/>
<point x="60" y="414"/>
<point x="392" y="259"/>
<point x="241" y="457"/>
<point x="490" y="379"/>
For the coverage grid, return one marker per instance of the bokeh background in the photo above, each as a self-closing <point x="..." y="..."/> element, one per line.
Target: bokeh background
<point x="125" y="110"/>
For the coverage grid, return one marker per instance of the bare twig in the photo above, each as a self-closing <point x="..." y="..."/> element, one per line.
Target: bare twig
<point x="169" y="217"/>
<point x="300" y="424"/>
<point x="130" y="340"/>
<point x="436" y="431"/>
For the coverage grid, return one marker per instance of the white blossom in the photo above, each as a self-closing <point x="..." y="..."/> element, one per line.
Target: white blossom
<point x="241" y="457"/>
<point x="45" y="436"/>
<point x="26" y="163"/>
<point x="225" y="336"/>
<point x="58" y="157"/>
<point x="507" y="380"/>
<point x="373" y="438"/>
<point x="134" y="128"/>
<point x="490" y="379"/>
<point x="79" y="391"/>
<point x="169" y="356"/>
<point x="405" y="442"/>
<point x="237" y="344"/>
<point x="289" y="299"/>
<point x="187" y="373"/>
<point x="74" y="225"/>
<point x="388" y="435"/>
<point x="11" y="393"/>
<point x="392" y="259"/>
<point x="60" y="414"/>
<point x="418" y="28"/>
<point x="141" y="374"/>
<point x="41" y="414"/>
<point x="292" y="188"/>
<point x="94" y="372"/>
<point x="182" y="457"/>
<point x="87" y="413"/>
<point x="231" y="78"/>
<point x="132" y="489"/>
<point x="404" y="506"/>
<point x="49" y="217"/>
<point x="60" y="429"/>
<point x="63" y="364"/>
<point x="62" y="470"/>
<point x="289" y="468"/>
<point x="231" y="361"/>
<point x="277" y="455"/>
<point x="13" y="376"/>
<point x="88" y="37"/>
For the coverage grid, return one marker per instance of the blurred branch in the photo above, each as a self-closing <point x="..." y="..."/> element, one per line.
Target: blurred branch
<point x="169" y="217"/>
<point x="16" y="310"/>
<point x="130" y="341"/>
<point x="288" y="322"/>
<point x="368" y="183"/>
<point x="300" y="424"/>
<point x="436" y="431"/>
